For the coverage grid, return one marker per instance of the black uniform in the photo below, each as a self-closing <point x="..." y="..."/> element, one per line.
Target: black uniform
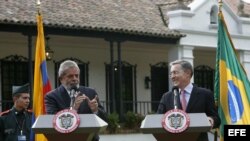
<point x="12" y="123"/>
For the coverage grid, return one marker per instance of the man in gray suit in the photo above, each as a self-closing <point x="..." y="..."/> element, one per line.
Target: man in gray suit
<point x="85" y="99"/>
<point x="193" y="99"/>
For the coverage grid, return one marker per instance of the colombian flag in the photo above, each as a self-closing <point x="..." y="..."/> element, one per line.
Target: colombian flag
<point x="232" y="87"/>
<point x="41" y="80"/>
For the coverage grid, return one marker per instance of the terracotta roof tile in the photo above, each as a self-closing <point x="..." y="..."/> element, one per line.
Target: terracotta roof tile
<point x="129" y="16"/>
<point x="233" y="4"/>
<point x="126" y="16"/>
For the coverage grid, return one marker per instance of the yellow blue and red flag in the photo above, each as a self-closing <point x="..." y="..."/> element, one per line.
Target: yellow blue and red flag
<point x="232" y="87"/>
<point x="41" y="79"/>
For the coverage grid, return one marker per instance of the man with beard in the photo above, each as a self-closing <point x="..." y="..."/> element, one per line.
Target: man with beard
<point x="85" y="100"/>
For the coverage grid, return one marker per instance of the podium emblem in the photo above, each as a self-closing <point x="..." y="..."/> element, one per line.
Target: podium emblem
<point x="66" y="121"/>
<point x="175" y="121"/>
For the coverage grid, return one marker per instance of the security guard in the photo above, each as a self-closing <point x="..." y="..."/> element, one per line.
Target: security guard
<point x="15" y="124"/>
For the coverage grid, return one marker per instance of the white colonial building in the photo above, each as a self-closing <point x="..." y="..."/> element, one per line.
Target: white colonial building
<point x="123" y="47"/>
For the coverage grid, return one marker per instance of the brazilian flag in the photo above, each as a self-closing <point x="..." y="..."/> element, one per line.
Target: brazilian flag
<point x="232" y="87"/>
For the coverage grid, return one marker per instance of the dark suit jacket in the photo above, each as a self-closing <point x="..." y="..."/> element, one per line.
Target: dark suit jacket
<point x="201" y="101"/>
<point x="59" y="99"/>
<point x="9" y="129"/>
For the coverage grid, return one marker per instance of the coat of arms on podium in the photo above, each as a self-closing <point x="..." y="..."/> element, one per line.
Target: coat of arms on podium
<point x="175" y="121"/>
<point x="66" y="121"/>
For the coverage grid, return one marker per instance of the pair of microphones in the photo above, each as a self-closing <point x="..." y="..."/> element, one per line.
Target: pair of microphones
<point x="74" y="92"/>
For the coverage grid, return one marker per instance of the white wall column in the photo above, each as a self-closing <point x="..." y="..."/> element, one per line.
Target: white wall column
<point x="180" y="53"/>
<point x="244" y="57"/>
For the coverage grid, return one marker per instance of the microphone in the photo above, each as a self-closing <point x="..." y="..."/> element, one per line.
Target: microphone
<point x="175" y="90"/>
<point x="73" y="91"/>
<point x="74" y="88"/>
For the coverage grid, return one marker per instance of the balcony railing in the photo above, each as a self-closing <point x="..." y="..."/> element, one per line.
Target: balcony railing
<point x="140" y="107"/>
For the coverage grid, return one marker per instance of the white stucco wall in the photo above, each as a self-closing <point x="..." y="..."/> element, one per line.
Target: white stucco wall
<point x="195" y="24"/>
<point x="97" y="53"/>
<point x="202" y="35"/>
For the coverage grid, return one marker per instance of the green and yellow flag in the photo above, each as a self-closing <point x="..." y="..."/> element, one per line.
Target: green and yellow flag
<point x="232" y="87"/>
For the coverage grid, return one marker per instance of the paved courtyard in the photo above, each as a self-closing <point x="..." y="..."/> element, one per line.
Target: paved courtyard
<point x="136" y="137"/>
<point x="127" y="137"/>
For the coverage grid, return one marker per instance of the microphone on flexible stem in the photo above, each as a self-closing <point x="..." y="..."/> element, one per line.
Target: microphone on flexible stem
<point x="175" y="90"/>
<point x="73" y="91"/>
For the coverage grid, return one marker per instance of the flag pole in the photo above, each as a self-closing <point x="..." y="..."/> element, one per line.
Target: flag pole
<point x="220" y="5"/>
<point x="38" y="4"/>
<point x="216" y="130"/>
<point x="41" y="80"/>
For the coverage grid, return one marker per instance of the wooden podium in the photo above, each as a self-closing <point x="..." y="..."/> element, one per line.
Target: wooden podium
<point x="90" y="124"/>
<point x="198" y="123"/>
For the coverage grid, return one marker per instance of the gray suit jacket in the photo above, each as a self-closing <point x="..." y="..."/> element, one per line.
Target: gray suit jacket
<point x="201" y="101"/>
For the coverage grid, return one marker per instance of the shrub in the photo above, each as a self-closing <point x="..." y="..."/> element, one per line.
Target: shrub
<point x="130" y="120"/>
<point x="133" y="120"/>
<point x="113" y="120"/>
<point x="139" y="119"/>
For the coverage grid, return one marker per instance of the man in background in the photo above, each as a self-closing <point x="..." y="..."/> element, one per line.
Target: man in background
<point x="15" y="124"/>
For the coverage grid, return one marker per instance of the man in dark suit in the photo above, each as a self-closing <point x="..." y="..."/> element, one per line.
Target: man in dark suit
<point x="192" y="99"/>
<point x="15" y="124"/>
<point x="85" y="98"/>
